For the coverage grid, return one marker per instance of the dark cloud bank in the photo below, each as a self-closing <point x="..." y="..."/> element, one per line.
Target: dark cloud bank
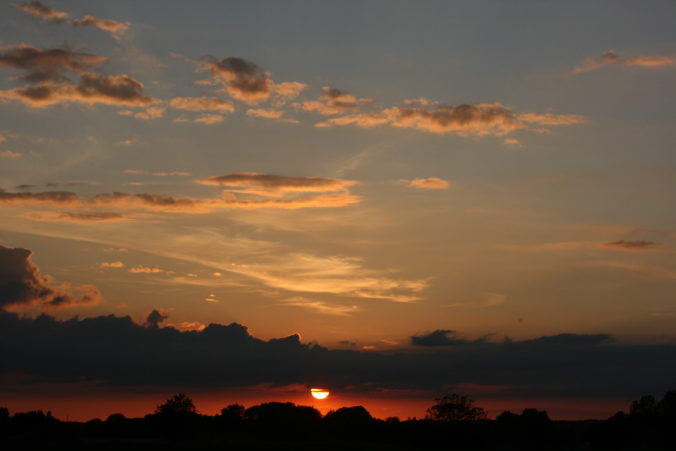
<point x="116" y="351"/>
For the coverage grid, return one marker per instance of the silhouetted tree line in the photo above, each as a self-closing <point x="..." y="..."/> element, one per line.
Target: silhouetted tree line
<point x="453" y="422"/>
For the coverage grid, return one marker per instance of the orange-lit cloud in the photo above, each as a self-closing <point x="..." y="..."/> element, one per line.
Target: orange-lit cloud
<point x="276" y="185"/>
<point x="267" y="114"/>
<point x="427" y="183"/>
<point x="243" y="79"/>
<point x="115" y="28"/>
<point x="464" y="119"/>
<point x="37" y="9"/>
<point x="115" y="264"/>
<point x="629" y="245"/>
<point x="145" y="270"/>
<point x="10" y="155"/>
<point x="154" y="112"/>
<point x="207" y="119"/>
<point x="22" y="284"/>
<point x="47" y="65"/>
<point x="333" y="101"/>
<point x="610" y="58"/>
<point x="202" y="104"/>
<point x="322" y="307"/>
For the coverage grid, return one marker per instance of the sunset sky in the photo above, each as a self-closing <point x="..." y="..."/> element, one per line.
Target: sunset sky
<point x="444" y="196"/>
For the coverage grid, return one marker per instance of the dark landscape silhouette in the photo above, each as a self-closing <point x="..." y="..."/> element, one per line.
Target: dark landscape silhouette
<point x="452" y="422"/>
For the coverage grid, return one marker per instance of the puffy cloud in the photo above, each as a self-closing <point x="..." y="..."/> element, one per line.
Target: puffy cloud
<point x="565" y="365"/>
<point x="610" y="57"/>
<point x="276" y="185"/>
<point x="627" y="245"/>
<point x="427" y="183"/>
<point x="243" y="79"/>
<point x="154" y="112"/>
<point x="45" y="72"/>
<point x="41" y="11"/>
<point x="115" y="28"/>
<point x="202" y="104"/>
<point x="47" y="65"/>
<point x="115" y="264"/>
<point x="119" y="90"/>
<point x="155" y="318"/>
<point x="22" y="284"/>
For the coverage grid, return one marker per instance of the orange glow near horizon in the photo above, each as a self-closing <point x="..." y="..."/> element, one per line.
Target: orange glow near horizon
<point x="319" y="393"/>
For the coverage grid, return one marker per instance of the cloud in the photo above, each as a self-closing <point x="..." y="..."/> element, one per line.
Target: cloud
<point x="243" y="79"/>
<point x="625" y="245"/>
<point x="202" y="104"/>
<point x="22" y="284"/>
<point x="117" y="90"/>
<point x="439" y="337"/>
<point x="145" y="270"/>
<point x="610" y="58"/>
<point x="427" y="183"/>
<point x="10" y="155"/>
<point x="322" y="307"/>
<point x="464" y="119"/>
<point x="155" y="318"/>
<point x="77" y="217"/>
<point x="45" y="70"/>
<point x="116" y="264"/>
<point x="276" y="185"/>
<point x="154" y="112"/>
<point x="565" y="365"/>
<point x="46" y="197"/>
<point x="115" y="28"/>
<point x="207" y="119"/>
<point x="267" y="114"/>
<point x="172" y="174"/>
<point x="47" y="65"/>
<point x="41" y="11"/>
<point x="333" y="101"/>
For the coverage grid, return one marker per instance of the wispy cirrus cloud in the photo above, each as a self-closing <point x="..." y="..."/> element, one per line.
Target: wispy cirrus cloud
<point x="612" y="58"/>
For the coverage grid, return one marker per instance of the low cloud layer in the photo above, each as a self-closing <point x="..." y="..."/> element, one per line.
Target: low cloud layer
<point x="276" y="185"/>
<point x="23" y="285"/>
<point x="566" y="365"/>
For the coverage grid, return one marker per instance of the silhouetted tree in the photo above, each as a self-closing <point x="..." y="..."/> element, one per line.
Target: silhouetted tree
<point x="232" y="413"/>
<point x="349" y="417"/>
<point x="177" y="405"/>
<point x="454" y="407"/>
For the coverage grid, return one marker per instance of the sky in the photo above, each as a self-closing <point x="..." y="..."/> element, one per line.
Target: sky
<point x="392" y="200"/>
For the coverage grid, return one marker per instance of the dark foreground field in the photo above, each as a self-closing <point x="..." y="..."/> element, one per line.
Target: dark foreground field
<point x="650" y="425"/>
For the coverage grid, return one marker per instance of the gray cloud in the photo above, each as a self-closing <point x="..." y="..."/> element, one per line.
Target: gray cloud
<point x="22" y="284"/>
<point x="243" y="79"/>
<point x="45" y="71"/>
<point x="628" y="245"/>
<point x="439" y="337"/>
<point x="117" y="351"/>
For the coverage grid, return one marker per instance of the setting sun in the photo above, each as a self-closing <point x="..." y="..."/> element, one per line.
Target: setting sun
<point x="319" y="393"/>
